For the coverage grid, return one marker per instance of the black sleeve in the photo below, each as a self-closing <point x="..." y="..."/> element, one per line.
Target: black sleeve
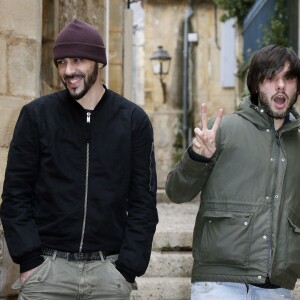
<point x="16" y="209"/>
<point x="142" y="213"/>
<point x="196" y="157"/>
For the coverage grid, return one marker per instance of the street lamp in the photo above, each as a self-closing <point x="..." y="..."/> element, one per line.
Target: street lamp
<point x="161" y="61"/>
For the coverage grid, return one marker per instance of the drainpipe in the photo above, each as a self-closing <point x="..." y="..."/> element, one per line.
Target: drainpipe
<point x="216" y="26"/>
<point x="188" y="14"/>
<point x="107" y="44"/>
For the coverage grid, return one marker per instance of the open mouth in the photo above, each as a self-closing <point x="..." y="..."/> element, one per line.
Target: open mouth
<point x="73" y="81"/>
<point x="279" y="100"/>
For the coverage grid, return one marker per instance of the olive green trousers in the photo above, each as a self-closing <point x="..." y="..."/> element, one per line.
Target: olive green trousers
<point x="60" y="279"/>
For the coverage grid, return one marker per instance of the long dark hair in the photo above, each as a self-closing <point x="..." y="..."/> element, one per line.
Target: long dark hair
<point x="269" y="61"/>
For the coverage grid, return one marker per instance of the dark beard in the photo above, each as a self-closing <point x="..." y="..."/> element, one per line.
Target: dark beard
<point x="276" y="115"/>
<point x="88" y="83"/>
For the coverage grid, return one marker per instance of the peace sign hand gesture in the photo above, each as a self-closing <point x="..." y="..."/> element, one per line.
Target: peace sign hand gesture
<point x="204" y="142"/>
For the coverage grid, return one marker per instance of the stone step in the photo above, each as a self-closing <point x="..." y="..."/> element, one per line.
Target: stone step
<point x="296" y="291"/>
<point x="162" y="288"/>
<point x="170" y="264"/>
<point x="172" y="239"/>
<point x="162" y="197"/>
<point x="172" y="288"/>
<point x="176" y="225"/>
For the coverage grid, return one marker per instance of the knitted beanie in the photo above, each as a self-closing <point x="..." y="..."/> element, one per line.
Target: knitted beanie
<point x="79" y="40"/>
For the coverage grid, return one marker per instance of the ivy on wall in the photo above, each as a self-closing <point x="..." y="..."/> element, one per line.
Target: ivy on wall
<point x="276" y="32"/>
<point x="235" y="9"/>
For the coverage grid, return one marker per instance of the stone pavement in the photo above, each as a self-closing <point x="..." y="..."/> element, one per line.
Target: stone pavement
<point x="168" y="274"/>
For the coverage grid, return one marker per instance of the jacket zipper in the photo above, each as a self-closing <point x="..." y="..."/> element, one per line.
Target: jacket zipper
<point x="150" y="167"/>
<point x="277" y="154"/>
<point x="88" y="121"/>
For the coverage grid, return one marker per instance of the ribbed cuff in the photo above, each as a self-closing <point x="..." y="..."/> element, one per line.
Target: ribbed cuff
<point x="196" y="157"/>
<point x="31" y="261"/>
<point x="129" y="277"/>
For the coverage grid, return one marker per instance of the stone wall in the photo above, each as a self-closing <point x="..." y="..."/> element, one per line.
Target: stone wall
<point x="116" y="46"/>
<point x="20" y="48"/>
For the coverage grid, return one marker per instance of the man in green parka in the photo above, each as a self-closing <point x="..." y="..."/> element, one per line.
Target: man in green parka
<point x="246" y="165"/>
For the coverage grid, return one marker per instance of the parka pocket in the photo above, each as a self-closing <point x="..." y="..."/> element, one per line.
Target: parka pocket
<point x="226" y="238"/>
<point x="293" y="245"/>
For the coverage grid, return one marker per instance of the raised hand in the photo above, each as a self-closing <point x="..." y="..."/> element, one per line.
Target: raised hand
<point x="204" y="142"/>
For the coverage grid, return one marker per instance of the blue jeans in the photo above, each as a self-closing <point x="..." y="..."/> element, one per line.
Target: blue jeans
<point x="236" y="291"/>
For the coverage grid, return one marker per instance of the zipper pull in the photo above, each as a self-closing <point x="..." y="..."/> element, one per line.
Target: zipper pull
<point x="88" y="125"/>
<point x="88" y="117"/>
<point x="277" y="138"/>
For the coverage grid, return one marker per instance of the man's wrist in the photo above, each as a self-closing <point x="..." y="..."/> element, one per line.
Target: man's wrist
<point x="197" y="157"/>
<point x="31" y="262"/>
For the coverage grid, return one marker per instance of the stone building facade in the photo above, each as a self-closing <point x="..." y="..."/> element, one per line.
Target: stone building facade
<point x="20" y="47"/>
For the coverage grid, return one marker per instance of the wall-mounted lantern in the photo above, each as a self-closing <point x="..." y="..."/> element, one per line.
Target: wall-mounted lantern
<point x="161" y="61"/>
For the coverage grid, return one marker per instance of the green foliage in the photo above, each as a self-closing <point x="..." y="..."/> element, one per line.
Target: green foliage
<point x="242" y="69"/>
<point x="276" y="32"/>
<point x="235" y="9"/>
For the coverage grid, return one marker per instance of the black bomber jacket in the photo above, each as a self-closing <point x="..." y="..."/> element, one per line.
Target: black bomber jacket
<point x="80" y="181"/>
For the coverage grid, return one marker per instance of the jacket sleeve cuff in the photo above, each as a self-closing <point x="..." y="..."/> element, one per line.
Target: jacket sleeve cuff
<point x="31" y="261"/>
<point x="128" y="276"/>
<point x="196" y="157"/>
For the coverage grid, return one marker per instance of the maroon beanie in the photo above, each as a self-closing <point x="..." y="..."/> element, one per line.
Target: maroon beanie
<point x="79" y="40"/>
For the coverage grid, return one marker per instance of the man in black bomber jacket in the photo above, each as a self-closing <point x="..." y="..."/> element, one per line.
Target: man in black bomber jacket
<point x="79" y="197"/>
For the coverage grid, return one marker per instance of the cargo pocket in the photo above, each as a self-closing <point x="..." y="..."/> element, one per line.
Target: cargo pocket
<point x="293" y="245"/>
<point x="226" y="238"/>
